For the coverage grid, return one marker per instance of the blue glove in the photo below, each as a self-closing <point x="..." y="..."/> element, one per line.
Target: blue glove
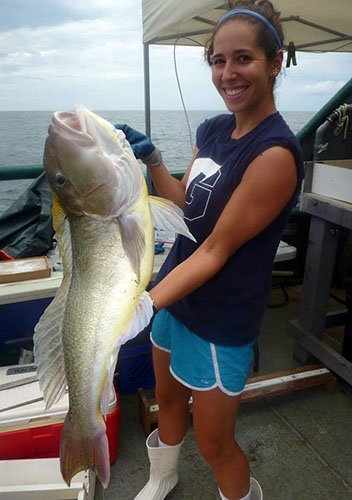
<point x="141" y="145"/>
<point x="159" y="248"/>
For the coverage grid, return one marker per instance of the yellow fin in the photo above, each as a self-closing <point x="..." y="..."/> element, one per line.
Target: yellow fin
<point x="59" y="215"/>
<point x="48" y="349"/>
<point x="79" y="451"/>
<point x="168" y="216"/>
<point x="140" y="319"/>
<point x="133" y="239"/>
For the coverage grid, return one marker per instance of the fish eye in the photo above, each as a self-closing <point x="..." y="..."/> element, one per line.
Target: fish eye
<point x="60" y="179"/>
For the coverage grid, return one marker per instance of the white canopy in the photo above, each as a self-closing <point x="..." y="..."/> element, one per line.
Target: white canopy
<point x="313" y="25"/>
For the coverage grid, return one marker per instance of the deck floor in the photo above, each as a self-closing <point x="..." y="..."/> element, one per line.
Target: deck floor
<point x="299" y="445"/>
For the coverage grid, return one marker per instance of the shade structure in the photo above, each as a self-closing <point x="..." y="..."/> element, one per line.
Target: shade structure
<point x="312" y="25"/>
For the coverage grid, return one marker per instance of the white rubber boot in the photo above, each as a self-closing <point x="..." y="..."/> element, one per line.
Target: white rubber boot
<point x="256" y="491"/>
<point x="163" y="469"/>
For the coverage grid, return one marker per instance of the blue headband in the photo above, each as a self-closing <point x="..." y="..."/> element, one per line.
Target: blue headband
<point x="256" y="15"/>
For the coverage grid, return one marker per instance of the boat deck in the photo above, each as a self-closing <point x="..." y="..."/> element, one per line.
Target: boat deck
<point x="298" y="444"/>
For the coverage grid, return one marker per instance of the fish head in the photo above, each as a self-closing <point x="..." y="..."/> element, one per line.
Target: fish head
<point x="90" y="165"/>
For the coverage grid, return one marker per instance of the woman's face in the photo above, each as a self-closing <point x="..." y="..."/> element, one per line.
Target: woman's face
<point x="241" y="72"/>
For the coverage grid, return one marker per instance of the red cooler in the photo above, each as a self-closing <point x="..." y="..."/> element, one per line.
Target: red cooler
<point x="27" y="430"/>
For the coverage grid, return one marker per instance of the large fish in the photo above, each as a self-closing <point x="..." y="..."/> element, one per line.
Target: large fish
<point x="104" y="221"/>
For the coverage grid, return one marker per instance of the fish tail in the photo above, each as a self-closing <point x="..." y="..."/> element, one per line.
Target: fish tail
<point x="79" y="451"/>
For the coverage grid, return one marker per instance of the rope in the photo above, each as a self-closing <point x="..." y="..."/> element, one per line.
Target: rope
<point x="181" y="96"/>
<point x="180" y="90"/>
<point x="343" y="120"/>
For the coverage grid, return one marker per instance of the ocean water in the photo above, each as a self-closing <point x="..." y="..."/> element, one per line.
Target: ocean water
<point x="23" y="133"/>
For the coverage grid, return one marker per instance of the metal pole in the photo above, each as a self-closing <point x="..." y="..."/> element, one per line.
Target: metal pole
<point x="147" y="90"/>
<point x="147" y="113"/>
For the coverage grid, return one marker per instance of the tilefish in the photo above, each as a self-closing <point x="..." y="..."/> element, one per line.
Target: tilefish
<point x="104" y="222"/>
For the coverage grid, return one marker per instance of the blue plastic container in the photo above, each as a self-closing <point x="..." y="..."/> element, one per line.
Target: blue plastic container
<point x="17" y="321"/>
<point x="134" y="368"/>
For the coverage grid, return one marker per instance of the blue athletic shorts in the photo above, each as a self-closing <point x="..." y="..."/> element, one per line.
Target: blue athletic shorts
<point x="197" y="363"/>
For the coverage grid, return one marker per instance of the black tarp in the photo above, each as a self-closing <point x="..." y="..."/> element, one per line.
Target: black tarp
<point x="26" y="227"/>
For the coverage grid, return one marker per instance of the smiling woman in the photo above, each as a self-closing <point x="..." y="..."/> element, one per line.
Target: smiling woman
<point x="245" y="56"/>
<point x="237" y="194"/>
<point x="241" y="73"/>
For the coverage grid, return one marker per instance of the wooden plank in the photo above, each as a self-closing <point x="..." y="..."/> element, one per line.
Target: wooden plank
<point x="317" y="276"/>
<point x="28" y="268"/>
<point x="288" y="382"/>
<point x="322" y="351"/>
<point x="336" y="318"/>
<point x="256" y="388"/>
<point x="332" y="181"/>
<point x="145" y="415"/>
<point x="335" y="211"/>
<point x="308" y="178"/>
<point x="338" y="163"/>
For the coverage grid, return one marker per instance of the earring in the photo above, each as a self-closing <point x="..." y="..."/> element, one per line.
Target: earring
<point x="275" y="72"/>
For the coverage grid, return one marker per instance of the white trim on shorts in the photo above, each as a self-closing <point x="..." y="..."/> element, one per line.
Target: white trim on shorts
<point x="158" y="346"/>
<point x="193" y="387"/>
<point x="218" y="383"/>
<point x="217" y="373"/>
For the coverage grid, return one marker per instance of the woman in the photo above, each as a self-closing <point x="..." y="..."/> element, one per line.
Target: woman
<point x="237" y="194"/>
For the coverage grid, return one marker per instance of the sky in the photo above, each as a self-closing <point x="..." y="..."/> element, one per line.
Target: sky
<point x="57" y="53"/>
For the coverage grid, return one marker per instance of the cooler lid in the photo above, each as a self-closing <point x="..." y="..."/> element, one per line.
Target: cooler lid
<point x="24" y="404"/>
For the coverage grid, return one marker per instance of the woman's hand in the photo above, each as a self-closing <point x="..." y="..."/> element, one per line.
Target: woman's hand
<point x="141" y="145"/>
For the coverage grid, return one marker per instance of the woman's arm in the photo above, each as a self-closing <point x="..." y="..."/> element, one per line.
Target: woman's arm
<point x="265" y="189"/>
<point x="166" y="185"/>
<point x="169" y="187"/>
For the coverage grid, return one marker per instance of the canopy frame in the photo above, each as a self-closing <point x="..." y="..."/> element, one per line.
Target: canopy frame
<point x="340" y="36"/>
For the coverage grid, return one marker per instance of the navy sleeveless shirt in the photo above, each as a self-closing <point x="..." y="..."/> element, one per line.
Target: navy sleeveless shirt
<point x="228" y="308"/>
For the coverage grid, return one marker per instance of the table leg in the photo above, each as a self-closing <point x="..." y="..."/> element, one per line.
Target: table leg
<point x="318" y="274"/>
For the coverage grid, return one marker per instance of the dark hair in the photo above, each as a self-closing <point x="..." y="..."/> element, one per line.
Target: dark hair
<point x="265" y="38"/>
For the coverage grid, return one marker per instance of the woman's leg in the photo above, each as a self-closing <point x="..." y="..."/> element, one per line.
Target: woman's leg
<point x="172" y="398"/>
<point x="173" y="422"/>
<point x="214" y="420"/>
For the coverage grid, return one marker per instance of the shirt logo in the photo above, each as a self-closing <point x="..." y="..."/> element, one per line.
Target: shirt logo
<point x="203" y="177"/>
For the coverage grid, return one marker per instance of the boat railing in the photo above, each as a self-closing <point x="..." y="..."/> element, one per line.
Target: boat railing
<point x="15" y="172"/>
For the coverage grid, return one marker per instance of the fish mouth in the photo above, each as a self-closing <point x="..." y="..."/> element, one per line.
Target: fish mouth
<point x="72" y="126"/>
<point x="72" y="133"/>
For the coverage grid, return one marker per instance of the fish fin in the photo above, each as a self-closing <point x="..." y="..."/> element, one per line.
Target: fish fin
<point x="108" y="387"/>
<point x="140" y="319"/>
<point x="133" y="240"/>
<point x="48" y="349"/>
<point x="81" y="452"/>
<point x="59" y="216"/>
<point x="166" y="215"/>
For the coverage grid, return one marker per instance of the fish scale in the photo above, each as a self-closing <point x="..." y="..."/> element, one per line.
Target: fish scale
<point x="86" y="315"/>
